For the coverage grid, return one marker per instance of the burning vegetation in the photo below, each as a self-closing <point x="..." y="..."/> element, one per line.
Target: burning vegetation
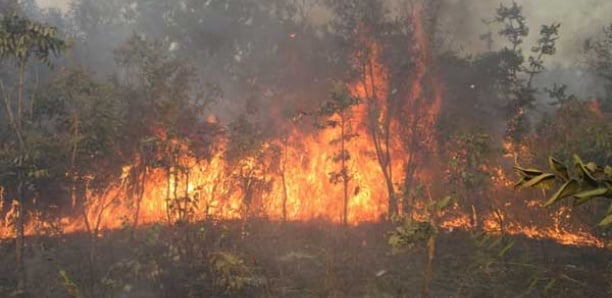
<point x="231" y="121"/>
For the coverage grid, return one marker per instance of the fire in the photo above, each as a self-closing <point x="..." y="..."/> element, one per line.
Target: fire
<point x="537" y="232"/>
<point x="300" y="188"/>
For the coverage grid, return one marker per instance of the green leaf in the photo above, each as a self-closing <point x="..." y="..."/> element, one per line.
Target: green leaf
<point x="558" y="168"/>
<point x="587" y="195"/>
<point x="608" y="171"/>
<point x="520" y="183"/>
<point x="593" y="192"/>
<point x="606" y="221"/>
<point x="506" y="249"/>
<point x="528" y="173"/>
<point x="570" y="187"/>
<point x="542" y="178"/>
<point x="584" y="172"/>
<point x="444" y="202"/>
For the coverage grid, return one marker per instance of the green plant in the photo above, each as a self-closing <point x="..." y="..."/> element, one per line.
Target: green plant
<point x="231" y="274"/>
<point x="338" y="113"/>
<point x="20" y="39"/>
<point x="71" y="288"/>
<point x="584" y="183"/>
<point x="412" y="232"/>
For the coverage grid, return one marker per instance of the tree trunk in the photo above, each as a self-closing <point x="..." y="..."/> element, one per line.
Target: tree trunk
<point x="428" y="274"/>
<point x="20" y="239"/>
<point x="284" y="181"/>
<point x="344" y="170"/>
<point x="140" y="195"/>
<point x="20" y="90"/>
<point x="392" y="201"/>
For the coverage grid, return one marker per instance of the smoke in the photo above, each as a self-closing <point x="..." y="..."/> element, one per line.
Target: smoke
<point x="463" y="21"/>
<point x="460" y="24"/>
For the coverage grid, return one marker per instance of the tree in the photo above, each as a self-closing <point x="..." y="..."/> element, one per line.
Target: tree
<point x="516" y="73"/>
<point x="598" y="52"/>
<point x="20" y="39"/>
<point x="411" y="233"/>
<point x="338" y="113"/>
<point x="467" y="172"/>
<point x="82" y="122"/>
<point x="167" y="109"/>
<point x="248" y="162"/>
<point x="383" y="52"/>
<point x="575" y="126"/>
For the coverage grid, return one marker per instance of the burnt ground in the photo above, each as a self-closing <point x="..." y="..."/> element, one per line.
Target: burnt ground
<point x="316" y="259"/>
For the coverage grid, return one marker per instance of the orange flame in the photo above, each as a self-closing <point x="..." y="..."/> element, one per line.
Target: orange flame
<point x="300" y="190"/>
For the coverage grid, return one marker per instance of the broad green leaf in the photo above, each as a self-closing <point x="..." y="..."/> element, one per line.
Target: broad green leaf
<point x="539" y="179"/>
<point x="444" y="202"/>
<point x="587" y="195"/>
<point x="558" y="168"/>
<point x="520" y="183"/>
<point x="567" y="189"/>
<point x="527" y="173"/>
<point x="606" y="221"/>
<point x="584" y="172"/>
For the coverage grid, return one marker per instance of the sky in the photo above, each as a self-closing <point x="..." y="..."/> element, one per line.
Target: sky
<point x="578" y="18"/>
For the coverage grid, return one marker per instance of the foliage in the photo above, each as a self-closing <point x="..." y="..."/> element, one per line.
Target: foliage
<point x="71" y="288"/>
<point x="598" y="52"/>
<point x="514" y="72"/>
<point x="576" y="126"/>
<point x="232" y="274"/>
<point x="194" y="254"/>
<point x="468" y="173"/>
<point x="583" y="183"/>
<point x="467" y="162"/>
<point x="410" y="233"/>
<point x="20" y="38"/>
<point x="250" y="158"/>
<point x="338" y="113"/>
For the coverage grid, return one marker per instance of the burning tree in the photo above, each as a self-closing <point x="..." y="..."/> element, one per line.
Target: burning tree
<point x="384" y="52"/>
<point x="167" y="120"/>
<point x="247" y="164"/>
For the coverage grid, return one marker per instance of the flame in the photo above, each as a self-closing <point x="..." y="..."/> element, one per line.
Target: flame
<point x="300" y="188"/>
<point x="560" y="235"/>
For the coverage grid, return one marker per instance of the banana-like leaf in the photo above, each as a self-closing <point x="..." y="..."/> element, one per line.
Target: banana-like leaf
<point x="558" y="168"/>
<point x="528" y="173"/>
<point x="606" y="221"/>
<point x="542" y="178"/>
<point x="569" y="188"/>
<point x="520" y="183"/>
<point x="584" y="172"/>
<point x="585" y="196"/>
<point x="580" y="201"/>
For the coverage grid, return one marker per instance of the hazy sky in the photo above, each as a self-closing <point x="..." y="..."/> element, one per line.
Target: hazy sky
<point x="578" y="18"/>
